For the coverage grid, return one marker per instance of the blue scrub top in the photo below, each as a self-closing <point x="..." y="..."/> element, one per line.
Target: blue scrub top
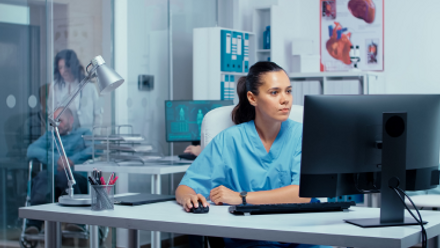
<point x="237" y="159"/>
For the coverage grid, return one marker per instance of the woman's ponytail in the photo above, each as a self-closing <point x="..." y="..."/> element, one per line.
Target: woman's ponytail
<point x="244" y="111"/>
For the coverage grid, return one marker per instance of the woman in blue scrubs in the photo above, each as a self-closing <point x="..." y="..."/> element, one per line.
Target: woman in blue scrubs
<point x="257" y="160"/>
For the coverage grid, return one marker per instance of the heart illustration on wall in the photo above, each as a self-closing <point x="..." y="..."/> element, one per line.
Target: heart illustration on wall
<point x="338" y="46"/>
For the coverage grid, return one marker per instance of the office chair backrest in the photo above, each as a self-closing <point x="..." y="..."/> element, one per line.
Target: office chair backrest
<point x="219" y="119"/>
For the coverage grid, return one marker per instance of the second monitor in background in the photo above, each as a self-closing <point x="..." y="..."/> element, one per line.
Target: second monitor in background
<point x="184" y="118"/>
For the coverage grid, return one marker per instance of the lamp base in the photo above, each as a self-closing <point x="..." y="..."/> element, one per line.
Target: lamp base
<point x="76" y="200"/>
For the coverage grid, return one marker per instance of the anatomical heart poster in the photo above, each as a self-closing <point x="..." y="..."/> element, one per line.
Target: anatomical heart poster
<point x="352" y="35"/>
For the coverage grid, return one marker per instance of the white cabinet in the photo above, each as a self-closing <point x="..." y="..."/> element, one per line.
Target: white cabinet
<point x="332" y="83"/>
<point x="263" y="17"/>
<point x="207" y="73"/>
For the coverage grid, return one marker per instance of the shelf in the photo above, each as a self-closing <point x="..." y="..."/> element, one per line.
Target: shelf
<point x="263" y="51"/>
<point x="234" y="73"/>
<point x="115" y="137"/>
<point x="342" y="74"/>
<point x="125" y="148"/>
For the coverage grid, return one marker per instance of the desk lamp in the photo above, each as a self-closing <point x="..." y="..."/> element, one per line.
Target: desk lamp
<point x="108" y="80"/>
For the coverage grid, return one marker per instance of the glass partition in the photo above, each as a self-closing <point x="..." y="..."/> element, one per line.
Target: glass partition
<point x="23" y="66"/>
<point x="45" y="46"/>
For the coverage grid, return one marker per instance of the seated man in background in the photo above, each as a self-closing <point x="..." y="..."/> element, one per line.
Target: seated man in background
<point x="77" y="152"/>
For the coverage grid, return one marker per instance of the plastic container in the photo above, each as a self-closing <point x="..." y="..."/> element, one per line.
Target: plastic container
<point x="102" y="197"/>
<point x="266" y="38"/>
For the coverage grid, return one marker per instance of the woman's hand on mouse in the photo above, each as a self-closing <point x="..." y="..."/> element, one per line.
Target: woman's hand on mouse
<point x="191" y="200"/>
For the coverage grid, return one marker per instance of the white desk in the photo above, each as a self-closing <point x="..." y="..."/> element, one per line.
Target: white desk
<point x="425" y="201"/>
<point x="168" y="165"/>
<point x="317" y="228"/>
<point x="155" y="169"/>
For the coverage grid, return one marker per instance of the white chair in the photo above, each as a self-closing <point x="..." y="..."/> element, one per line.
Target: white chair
<point x="219" y="119"/>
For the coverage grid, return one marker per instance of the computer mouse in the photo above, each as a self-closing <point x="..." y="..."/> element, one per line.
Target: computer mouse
<point x="200" y="210"/>
<point x="187" y="156"/>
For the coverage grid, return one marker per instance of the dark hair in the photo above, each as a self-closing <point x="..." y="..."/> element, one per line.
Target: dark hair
<point x="244" y="111"/>
<point x="71" y="61"/>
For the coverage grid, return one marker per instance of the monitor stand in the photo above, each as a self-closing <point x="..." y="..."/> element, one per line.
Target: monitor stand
<point x="392" y="210"/>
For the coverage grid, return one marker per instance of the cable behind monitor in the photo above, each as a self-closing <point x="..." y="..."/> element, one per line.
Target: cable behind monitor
<point x="400" y="192"/>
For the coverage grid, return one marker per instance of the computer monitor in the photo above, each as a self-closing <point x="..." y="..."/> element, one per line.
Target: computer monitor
<point x="184" y="118"/>
<point x="370" y="143"/>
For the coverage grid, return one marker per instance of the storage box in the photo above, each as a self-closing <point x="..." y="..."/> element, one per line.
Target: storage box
<point x="305" y="63"/>
<point x="304" y="47"/>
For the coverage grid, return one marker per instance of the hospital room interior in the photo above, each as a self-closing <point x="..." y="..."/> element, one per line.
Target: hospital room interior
<point x="127" y="94"/>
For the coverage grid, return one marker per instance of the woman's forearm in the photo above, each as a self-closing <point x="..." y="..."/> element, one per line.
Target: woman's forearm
<point x="288" y="194"/>
<point x="182" y="191"/>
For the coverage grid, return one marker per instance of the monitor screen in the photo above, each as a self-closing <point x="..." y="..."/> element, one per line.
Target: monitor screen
<point x="184" y="118"/>
<point x="371" y="143"/>
<point x="340" y="154"/>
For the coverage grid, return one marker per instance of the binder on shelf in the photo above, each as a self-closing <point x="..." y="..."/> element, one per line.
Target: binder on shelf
<point x="239" y="67"/>
<point x="231" y="87"/>
<point x="222" y="87"/>
<point x="246" y="53"/>
<point x="226" y="50"/>
<point x="234" y="55"/>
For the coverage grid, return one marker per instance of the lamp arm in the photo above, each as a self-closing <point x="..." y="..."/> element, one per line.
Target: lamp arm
<point x="57" y="137"/>
<point x="82" y="84"/>
<point x="69" y="175"/>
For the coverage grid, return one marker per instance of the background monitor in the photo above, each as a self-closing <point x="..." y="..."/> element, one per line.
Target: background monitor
<point x="350" y="141"/>
<point x="184" y="118"/>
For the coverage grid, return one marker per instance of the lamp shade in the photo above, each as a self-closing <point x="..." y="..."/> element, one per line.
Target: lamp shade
<point x="108" y="79"/>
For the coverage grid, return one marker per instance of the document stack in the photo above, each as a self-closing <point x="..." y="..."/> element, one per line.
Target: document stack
<point x="121" y="146"/>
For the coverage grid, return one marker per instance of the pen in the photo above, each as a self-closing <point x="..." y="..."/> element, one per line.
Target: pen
<point x="102" y="181"/>
<point x="110" y="178"/>
<point x="114" y="180"/>
<point x="92" y="181"/>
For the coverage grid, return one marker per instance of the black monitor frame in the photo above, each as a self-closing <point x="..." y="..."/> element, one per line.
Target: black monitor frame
<point x="374" y="143"/>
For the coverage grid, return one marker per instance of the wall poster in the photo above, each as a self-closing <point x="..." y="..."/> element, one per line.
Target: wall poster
<point x="352" y="35"/>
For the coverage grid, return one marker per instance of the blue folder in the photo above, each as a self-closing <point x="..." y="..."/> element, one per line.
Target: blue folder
<point x="223" y="87"/>
<point x="240" y="52"/>
<point x="234" y="56"/>
<point x="226" y="50"/>
<point x="231" y="87"/>
<point x="246" y="53"/>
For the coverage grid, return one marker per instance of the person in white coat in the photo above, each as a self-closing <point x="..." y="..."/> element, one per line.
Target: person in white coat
<point x="68" y="73"/>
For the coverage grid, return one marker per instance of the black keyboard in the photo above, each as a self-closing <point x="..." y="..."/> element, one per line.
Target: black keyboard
<point x="290" y="208"/>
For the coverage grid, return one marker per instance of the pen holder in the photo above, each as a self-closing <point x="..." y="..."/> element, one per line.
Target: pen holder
<point x="102" y="197"/>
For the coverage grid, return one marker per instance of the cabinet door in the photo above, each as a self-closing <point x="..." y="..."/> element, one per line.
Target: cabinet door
<point x="277" y="27"/>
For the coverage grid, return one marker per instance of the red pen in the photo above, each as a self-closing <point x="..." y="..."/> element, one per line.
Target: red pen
<point x="102" y="181"/>
<point x="114" y="180"/>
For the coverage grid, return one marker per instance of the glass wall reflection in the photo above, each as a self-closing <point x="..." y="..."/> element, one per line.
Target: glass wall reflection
<point x="23" y="68"/>
<point x="45" y="47"/>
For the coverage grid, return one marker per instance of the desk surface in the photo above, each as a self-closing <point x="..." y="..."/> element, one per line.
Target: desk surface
<point x="165" y="166"/>
<point x="317" y="228"/>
